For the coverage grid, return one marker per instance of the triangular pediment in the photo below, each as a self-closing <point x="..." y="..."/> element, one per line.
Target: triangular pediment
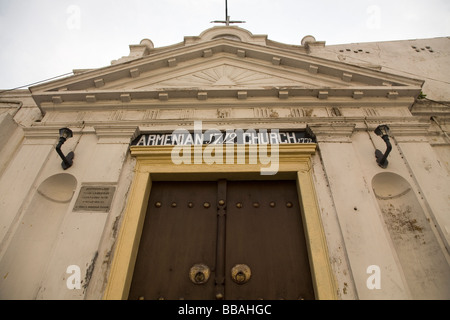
<point x="225" y="72"/>
<point x="227" y="65"/>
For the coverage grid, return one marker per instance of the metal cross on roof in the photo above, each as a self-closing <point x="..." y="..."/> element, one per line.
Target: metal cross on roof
<point x="227" y="20"/>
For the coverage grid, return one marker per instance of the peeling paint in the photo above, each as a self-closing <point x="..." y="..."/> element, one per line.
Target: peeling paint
<point x="115" y="228"/>
<point x="89" y="271"/>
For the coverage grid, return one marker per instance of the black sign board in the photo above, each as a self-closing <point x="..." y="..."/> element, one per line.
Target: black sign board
<point x="183" y="137"/>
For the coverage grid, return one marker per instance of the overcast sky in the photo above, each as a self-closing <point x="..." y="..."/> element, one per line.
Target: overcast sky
<point x="40" y="39"/>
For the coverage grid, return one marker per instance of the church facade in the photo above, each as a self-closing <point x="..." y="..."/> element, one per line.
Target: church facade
<point x="232" y="166"/>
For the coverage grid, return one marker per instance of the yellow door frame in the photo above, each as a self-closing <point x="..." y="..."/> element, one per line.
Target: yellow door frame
<point x="155" y="163"/>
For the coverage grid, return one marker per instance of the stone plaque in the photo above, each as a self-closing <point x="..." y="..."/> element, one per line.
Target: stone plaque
<point x="95" y="198"/>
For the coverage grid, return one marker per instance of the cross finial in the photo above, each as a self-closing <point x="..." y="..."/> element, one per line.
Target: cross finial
<point x="227" y="20"/>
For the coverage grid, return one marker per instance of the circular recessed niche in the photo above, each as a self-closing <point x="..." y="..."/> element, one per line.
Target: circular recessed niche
<point x="388" y="185"/>
<point x="58" y="188"/>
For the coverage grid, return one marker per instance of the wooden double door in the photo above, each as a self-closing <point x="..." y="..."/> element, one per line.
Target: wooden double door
<point x="222" y="240"/>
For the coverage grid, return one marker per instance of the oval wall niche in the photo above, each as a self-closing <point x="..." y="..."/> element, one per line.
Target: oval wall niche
<point x="424" y="265"/>
<point x="58" y="188"/>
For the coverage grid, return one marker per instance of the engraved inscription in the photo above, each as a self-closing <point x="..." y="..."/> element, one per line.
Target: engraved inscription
<point x="95" y="198"/>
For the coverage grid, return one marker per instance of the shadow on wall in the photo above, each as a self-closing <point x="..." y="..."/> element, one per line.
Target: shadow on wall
<point x="24" y="263"/>
<point x="426" y="270"/>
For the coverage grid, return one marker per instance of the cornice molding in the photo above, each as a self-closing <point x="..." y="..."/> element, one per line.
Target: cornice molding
<point x="128" y="98"/>
<point x="332" y="132"/>
<point x="324" y="129"/>
<point x="115" y="130"/>
<point x="41" y="132"/>
<point x="116" y="133"/>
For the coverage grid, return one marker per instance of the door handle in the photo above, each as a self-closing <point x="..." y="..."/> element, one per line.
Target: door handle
<point x="199" y="273"/>
<point x="241" y="273"/>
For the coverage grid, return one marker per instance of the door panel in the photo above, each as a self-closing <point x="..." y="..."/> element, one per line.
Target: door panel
<point x="174" y="239"/>
<point x="258" y="224"/>
<point x="265" y="232"/>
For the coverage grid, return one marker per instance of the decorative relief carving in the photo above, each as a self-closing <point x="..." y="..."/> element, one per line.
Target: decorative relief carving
<point x="308" y="112"/>
<point x="188" y="114"/>
<point x="371" y="112"/>
<point x="223" y="113"/>
<point x="297" y="113"/>
<point x="151" y="115"/>
<point x="274" y="114"/>
<point x="260" y="113"/>
<point x="265" y="113"/>
<point x="225" y="75"/>
<point x="116" y="115"/>
<point x="334" y="112"/>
